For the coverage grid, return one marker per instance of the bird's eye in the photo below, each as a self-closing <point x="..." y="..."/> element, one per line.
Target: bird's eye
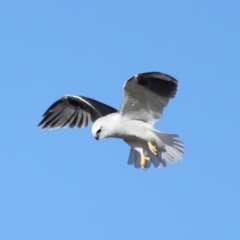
<point x="99" y="131"/>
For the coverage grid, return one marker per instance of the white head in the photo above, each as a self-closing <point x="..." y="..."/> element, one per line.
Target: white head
<point x="100" y="128"/>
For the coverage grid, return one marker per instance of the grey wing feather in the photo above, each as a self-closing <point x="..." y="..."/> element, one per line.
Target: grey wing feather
<point x="146" y="95"/>
<point x="74" y="111"/>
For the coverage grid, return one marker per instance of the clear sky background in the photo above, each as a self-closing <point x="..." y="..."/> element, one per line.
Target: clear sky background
<point x="63" y="184"/>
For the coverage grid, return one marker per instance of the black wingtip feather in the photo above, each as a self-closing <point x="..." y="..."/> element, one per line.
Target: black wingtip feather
<point x="158" y="82"/>
<point x="75" y="111"/>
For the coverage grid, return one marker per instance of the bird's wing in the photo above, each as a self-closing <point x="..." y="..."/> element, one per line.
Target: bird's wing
<point x="146" y="95"/>
<point x="74" y="111"/>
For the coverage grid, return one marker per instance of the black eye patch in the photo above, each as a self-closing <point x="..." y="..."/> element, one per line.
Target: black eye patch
<point x="99" y="131"/>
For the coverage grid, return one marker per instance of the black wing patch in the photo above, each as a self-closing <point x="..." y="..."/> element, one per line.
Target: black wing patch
<point x="159" y="83"/>
<point x="74" y="111"/>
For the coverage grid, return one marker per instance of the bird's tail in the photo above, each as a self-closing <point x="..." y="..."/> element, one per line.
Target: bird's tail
<point x="174" y="148"/>
<point x="173" y="152"/>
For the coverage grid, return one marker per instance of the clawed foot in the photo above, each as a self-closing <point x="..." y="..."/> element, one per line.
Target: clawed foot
<point x="152" y="148"/>
<point x="143" y="161"/>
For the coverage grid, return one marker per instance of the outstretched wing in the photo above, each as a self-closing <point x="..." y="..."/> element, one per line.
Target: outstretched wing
<point x="146" y="95"/>
<point x="74" y="111"/>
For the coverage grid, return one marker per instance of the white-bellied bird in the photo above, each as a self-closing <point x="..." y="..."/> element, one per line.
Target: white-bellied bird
<point x="145" y="96"/>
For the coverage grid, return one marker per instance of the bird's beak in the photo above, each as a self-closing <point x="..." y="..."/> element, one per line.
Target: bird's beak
<point x="97" y="137"/>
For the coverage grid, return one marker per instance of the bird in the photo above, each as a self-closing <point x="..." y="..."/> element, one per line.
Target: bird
<point x="145" y="96"/>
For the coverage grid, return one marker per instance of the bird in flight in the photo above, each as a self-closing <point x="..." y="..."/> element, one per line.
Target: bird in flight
<point x="145" y="96"/>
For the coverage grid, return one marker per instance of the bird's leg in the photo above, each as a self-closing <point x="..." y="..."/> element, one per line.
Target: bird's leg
<point x="143" y="160"/>
<point x="152" y="148"/>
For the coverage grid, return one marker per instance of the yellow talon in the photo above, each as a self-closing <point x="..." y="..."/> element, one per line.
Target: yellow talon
<point x="143" y="161"/>
<point x="152" y="148"/>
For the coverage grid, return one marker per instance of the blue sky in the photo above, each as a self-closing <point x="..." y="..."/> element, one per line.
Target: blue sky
<point x="63" y="184"/>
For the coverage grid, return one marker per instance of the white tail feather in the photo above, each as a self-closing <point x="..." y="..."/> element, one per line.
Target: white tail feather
<point x="173" y="147"/>
<point x="173" y="152"/>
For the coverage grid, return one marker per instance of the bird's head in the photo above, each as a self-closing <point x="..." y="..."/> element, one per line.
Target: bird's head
<point x="99" y="129"/>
